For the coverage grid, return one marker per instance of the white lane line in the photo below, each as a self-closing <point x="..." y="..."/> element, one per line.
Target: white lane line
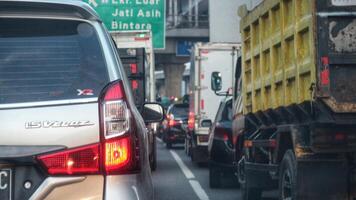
<point x="199" y="191"/>
<point x="159" y="140"/>
<point x="135" y="190"/>
<point x="186" y="171"/>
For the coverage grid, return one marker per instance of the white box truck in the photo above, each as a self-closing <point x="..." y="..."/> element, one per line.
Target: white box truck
<point x="136" y="53"/>
<point x="207" y="59"/>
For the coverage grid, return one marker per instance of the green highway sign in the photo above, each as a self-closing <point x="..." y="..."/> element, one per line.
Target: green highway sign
<point x="125" y="15"/>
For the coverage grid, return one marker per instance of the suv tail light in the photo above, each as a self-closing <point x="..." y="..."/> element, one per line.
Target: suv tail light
<point x="118" y="138"/>
<point x="118" y="151"/>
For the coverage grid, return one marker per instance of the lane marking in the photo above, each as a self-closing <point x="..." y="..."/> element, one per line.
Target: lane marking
<point x="197" y="188"/>
<point x="199" y="191"/>
<point x="186" y="171"/>
<point x="159" y="139"/>
<point x="135" y="190"/>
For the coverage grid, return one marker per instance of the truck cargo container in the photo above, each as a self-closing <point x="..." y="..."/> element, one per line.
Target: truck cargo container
<point x="297" y="130"/>
<point x="206" y="59"/>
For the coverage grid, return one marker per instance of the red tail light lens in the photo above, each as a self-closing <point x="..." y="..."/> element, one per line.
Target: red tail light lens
<point x="83" y="160"/>
<point x="191" y="121"/>
<point x="133" y="68"/>
<point x="225" y="137"/>
<point x="114" y="92"/>
<point x="325" y="72"/>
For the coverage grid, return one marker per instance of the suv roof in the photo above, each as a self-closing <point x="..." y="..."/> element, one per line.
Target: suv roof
<point x="71" y="8"/>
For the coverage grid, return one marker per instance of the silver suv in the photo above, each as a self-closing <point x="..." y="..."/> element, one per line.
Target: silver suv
<point x="68" y="126"/>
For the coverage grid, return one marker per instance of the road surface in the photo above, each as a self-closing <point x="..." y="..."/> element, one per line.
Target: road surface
<point x="177" y="178"/>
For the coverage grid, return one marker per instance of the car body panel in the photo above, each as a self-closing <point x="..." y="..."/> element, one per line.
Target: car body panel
<point x="46" y="123"/>
<point x="81" y="188"/>
<point x="221" y="152"/>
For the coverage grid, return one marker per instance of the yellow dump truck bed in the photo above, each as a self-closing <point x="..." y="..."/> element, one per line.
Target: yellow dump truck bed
<point x="278" y="54"/>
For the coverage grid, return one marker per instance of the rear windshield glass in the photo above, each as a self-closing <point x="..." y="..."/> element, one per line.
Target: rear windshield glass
<point x="180" y="110"/>
<point x="44" y="60"/>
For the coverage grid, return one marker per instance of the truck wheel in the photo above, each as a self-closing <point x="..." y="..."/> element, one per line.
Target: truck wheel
<point x="288" y="177"/>
<point x="214" y="177"/>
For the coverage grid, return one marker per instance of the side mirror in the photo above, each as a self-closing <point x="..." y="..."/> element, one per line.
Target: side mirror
<point x="216" y="81"/>
<point x="152" y="112"/>
<point x="206" y="123"/>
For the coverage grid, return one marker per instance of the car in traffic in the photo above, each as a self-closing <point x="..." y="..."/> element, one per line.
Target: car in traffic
<point x="220" y="146"/>
<point x="175" y="123"/>
<point x="69" y="127"/>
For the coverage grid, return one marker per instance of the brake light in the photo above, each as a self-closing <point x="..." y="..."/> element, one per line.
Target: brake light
<point x="83" y="160"/>
<point x="133" y="68"/>
<point x="134" y="84"/>
<point x="221" y="134"/>
<point x="191" y="121"/>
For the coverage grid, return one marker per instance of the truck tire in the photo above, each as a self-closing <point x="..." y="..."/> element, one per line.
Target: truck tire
<point x="288" y="177"/>
<point x="214" y="177"/>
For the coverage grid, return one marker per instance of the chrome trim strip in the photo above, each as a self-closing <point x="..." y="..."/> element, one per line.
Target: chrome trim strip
<point x="52" y="182"/>
<point x="336" y="14"/>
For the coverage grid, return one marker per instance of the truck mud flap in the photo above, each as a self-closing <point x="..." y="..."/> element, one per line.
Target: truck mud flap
<point x="258" y="176"/>
<point x="327" y="180"/>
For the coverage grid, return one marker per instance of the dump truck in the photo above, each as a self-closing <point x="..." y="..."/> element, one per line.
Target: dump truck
<point x="207" y="59"/>
<point x="296" y="131"/>
<point x="136" y="54"/>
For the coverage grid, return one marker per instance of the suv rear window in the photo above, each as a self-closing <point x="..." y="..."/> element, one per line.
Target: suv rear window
<point x="180" y="110"/>
<point x="46" y="59"/>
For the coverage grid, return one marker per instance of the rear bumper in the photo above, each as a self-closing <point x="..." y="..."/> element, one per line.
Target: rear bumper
<point x="130" y="187"/>
<point x="95" y="187"/>
<point x="175" y="136"/>
<point x="71" y="188"/>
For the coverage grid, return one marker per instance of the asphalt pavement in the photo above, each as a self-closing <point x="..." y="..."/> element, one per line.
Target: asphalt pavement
<point x="177" y="178"/>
